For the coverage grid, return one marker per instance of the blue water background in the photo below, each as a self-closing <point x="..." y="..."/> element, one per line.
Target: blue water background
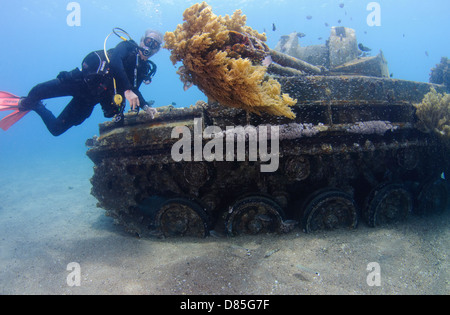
<point x="37" y="44"/>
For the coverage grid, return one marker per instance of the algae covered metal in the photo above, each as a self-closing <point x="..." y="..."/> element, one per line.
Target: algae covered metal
<point x="352" y="154"/>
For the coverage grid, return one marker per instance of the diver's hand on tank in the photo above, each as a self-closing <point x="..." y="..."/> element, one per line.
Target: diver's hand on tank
<point x="133" y="99"/>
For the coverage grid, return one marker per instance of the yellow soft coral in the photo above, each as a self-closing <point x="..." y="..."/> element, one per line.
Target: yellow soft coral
<point x="434" y="113"/>
<point x="212" y="60"/>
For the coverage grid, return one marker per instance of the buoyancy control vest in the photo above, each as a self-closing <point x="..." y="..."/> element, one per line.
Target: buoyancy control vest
<point x="97" y="74"/>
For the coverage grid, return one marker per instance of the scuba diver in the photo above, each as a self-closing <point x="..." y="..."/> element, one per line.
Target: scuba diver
<point x="105" y="77"/>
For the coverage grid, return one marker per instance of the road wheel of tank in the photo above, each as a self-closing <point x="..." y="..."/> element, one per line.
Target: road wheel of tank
<point x="329" y="209"/>
<point x="182" y="217"/>
<point x="433" y="197"/>
<point x="254" y="215"/>
<point x="388" y="203"/>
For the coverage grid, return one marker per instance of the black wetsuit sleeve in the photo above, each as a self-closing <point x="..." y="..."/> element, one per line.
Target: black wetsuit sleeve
<point x="118" y="57"/>
<point x="141" y="98"/>
<point x="136" y="91"/>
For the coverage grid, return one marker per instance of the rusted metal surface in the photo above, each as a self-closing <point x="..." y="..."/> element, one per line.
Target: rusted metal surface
<point x="352" y="134"/>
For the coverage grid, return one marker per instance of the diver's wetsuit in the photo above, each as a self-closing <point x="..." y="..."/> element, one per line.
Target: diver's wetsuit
<point x="87" y="94"/>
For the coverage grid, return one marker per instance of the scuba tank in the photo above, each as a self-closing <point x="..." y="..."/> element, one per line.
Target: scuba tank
<point x="97" y="76"/>
<point x="96" y="73"/>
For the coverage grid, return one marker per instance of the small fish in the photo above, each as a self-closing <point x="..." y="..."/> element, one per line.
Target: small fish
<point x="274" y="27"/>
<point x="264" y="218"/>
<point x="309" y="17"/>
<point x="341" y="5"/>
<point x="300" y="35"/>
<point x="306" y="269"/>
<point x="326" y="24"/>
<point x="363" y="48"/>
<point x="270" y="253"/>
<point x="267" y="61"/>
<point x="339" y="21"/>
<point x="187" y="85"/>
<point x="426" y="54"/>
<point x="391" y="75"/>
<point x="216" y="234"/>
<point x="320" y="38"/>
<point x="240" y="251"/>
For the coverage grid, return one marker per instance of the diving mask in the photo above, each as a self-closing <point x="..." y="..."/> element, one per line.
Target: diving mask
<point x="151" y="46"/>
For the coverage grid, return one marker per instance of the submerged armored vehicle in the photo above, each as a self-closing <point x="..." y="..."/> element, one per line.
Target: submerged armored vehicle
<point x="352" y="154"/>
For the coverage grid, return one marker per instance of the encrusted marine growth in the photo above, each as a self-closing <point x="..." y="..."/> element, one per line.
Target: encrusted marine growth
<point x="441" y="73"/>
<point x="223" y="57"/>
<point x="434" y="113"/>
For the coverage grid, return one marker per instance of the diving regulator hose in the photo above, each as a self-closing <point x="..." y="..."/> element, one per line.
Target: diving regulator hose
<point x="118" y="99"/>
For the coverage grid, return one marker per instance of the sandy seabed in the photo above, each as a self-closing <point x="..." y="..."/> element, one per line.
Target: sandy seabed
<point x="48" y="219"/>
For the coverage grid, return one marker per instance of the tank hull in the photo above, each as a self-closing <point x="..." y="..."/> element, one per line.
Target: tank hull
<point x="352" y="154"/>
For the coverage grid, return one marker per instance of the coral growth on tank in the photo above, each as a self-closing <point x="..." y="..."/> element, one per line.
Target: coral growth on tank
<point x="434" y="113"/>
<point x="223" y="58"/>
